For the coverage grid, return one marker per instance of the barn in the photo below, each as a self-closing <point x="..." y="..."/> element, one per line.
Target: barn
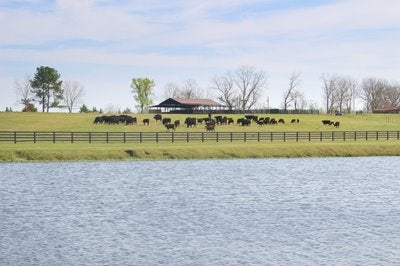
<point x="187" y="106"/>
<point x="387" y="110"/>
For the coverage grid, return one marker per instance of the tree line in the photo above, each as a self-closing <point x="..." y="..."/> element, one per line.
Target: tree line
<point x="239" y="89"/>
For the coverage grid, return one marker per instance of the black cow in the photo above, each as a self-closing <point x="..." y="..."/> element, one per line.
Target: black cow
<point x="210" y="126"/>
<point x="230" y="120"/>
<point x="190" y="121"/>
<point x="336" y="124"/>
<point x="146" y="121"/>
<point x="281" y="120"/>
<point x="327" y="122"/>
<point x="246" y="122"/>
<point x="273" y="121"/>
<point x="177" y="123"/>
<point x="166" y="121"/>
<point x="157" y="117"/>
<point x="170" y="126"/>
<point x="98" y="120"/>
<point x="130" y="120"/>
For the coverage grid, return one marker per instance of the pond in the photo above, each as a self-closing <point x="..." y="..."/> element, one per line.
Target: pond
<point x="201" y="212"/>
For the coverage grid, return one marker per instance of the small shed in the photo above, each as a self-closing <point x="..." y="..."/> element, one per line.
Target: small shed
<point x="186" y="106"/>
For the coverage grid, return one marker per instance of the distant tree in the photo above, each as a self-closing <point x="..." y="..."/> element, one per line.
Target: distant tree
<point x="23" y="90"/>
<point x="73" y="94"/>
<point x="373" y="93"/>
<point x="226" y="90"/>
<point x="289" y="96"/>
<point x="249" y="83"/>
<point x="142" y="89"/>
<point x="46" y="87"/>
<point x="126" y="111"/>
<point x="30" y="107"/>
<point x="190" y="89"/>
<point x="171" y="90"/>
<point x="84" y="109"/>
<point x="329" y="91"/>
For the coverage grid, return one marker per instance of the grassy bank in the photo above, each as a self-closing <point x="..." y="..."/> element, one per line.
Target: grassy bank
<point x="76" y="152"/>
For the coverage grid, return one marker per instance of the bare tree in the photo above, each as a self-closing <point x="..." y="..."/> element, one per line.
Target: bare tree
<point x="23" y="90"/>
<point x="329" y="91"/>
<point x="392" y="94"/>
<point x="73" y="94"/>
<point x="289" y="96"/>
<point x="372" y="93"/>
<point x="299" y="100"/>
<point x="250" y="83"/>
<point x="171" y="90"/>
<point x="190" y="89"/>
<point x="224" y="85"/>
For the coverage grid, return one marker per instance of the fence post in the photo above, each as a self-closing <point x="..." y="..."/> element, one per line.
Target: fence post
<point x="15" y="137"/>
<point x="173" y="140"/>
<point x="34" y="137"/>
<point x="245" y="137"/>
<point x="355" y="135"/>
<point x="344" y="135"/>
<point x="54" y="137"/>
<point x="187" y="136"/>
<point x="217" y="137"/>
<point x="140" y="137"/>
<point x="284" y="136"/>
<point x="156" y="137"/>
<point x="309" y="136"/>
<point x="107" y="137"/>
<point x="202" y="136"/>
<point x="333" y="135"/>
<point x="232" y="137"/>
<point x="90" y="137"/>
<point x="366" y="135"/>
<point x="320" y="135"/>
<point x="398" y="135"/>
<point x="258" y="136"/>
<point x="272" y="136"/>
<point x="377" y="135"/>
<point x="297" y="136"/>
<point x="387" y="135"/>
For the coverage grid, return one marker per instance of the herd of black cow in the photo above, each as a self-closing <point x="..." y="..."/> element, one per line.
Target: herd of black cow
<point x="209" y="122"/>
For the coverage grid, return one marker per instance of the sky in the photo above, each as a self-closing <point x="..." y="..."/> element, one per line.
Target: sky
<point x="103" y="44"/>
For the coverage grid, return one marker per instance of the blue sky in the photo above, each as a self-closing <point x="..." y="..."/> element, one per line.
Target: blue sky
<point x="104" y="44"/>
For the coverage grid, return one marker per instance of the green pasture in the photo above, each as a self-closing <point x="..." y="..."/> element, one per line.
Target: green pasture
<point x="55" y="122"/>
<point x="77" y="122"/>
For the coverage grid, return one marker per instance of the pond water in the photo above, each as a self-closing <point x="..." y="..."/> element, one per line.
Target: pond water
<point x="201" y="212"/>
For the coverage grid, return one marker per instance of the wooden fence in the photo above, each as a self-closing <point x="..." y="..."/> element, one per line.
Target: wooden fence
<point x="156" y="137"/>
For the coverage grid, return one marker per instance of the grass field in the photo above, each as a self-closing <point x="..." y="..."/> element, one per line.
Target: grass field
<point x="84" y="122"/>
<point x="129" y="151"/>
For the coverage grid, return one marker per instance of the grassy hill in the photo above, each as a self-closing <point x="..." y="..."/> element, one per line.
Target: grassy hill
<point x="17" y="121"/>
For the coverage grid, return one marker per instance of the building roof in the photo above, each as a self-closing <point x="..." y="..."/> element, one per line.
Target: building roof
<point x="187" y="103"/>
<point x="387" y="109"/>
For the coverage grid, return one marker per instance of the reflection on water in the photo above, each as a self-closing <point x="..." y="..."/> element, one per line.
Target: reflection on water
<point x="202" y="212"/>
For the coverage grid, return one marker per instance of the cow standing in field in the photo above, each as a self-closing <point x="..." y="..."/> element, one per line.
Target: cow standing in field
<point x="190" y="121"/>
<point x="146" y="122"/>
<point x="177" y="123"/>
<point x="210" y="126"/>
<point x="157" y="117"/>
<point x="166" y="121"/>
<point x="170" y="126"/>
<point x="336" y="124"/>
